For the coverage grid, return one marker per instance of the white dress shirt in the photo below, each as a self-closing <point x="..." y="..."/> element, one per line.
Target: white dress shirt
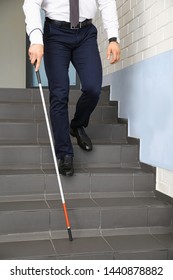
<point x="59" y="10"/>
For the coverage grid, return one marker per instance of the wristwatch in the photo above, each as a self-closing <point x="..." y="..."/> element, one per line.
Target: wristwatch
<point x="113" y="39"/>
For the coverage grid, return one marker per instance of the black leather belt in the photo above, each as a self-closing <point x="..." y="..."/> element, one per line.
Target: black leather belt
<point x="64" y="24"/>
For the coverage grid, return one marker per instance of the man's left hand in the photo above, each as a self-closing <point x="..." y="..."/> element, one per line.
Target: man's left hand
<point x="113" y="52"/>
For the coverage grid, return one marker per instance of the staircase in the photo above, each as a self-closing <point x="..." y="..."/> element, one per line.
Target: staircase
<point x="114" y="210"/>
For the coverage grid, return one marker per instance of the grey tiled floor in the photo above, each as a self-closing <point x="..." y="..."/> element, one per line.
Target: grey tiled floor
<point x="108" y="247"/>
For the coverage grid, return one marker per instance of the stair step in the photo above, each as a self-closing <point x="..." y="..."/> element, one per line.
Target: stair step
<point x="16" y="95"/>
<point x="30" y="132"/>
<point x="131" y="247"/>
<point x="88" y="182"/>
<point x="36" y="156"/>
<point x="24" y="111"/>
<point x="33" y="96"/>
<point x="96" y="213"/>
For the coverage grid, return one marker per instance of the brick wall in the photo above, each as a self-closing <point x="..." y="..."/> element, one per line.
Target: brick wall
<point x="146" y="30"/>
<point x="165" y="181"/>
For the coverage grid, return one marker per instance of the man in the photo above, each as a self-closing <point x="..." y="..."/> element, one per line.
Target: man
<point x="69" y="35"/>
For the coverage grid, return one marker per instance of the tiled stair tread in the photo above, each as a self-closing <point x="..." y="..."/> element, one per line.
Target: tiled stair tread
<point x="108" y="247"/>
<point x="43" y="122"/>
<point x="83" y="203"/>
<point x="94" y="180"/>
<point x="91" y="181"/>
<point x="102" y="113"/>
<point x="32" y="156"/>
<point x="45" y="142"/>
<point x="38" y="216"/>
<point x="109" y="202"/>
<point x="38" y="132"/>
<point x="89" y="170"/>
<point x="33" y="119"/>
<point x="28" y="145"/>
<point x="9" y="104"/>
<point x="33" y="95"/>
<point x="17" y="250"/>
<point x="50" y="166"/>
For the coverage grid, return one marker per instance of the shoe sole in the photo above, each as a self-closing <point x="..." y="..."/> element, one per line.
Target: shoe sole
<point x="67" y="173"/>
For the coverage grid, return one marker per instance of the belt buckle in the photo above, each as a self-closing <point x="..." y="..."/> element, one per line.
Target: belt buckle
<point x="72" y="27"/>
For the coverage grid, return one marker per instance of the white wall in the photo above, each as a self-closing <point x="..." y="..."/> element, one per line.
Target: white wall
<point x="146" y="32"/>
<point x="12" y="44"/>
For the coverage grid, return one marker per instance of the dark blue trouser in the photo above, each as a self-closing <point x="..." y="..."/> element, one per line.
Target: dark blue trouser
<point x="80" y="47"/>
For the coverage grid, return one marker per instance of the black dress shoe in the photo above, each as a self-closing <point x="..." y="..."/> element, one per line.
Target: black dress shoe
<point x="66" y="165"/>
<point x="82" y="138"/>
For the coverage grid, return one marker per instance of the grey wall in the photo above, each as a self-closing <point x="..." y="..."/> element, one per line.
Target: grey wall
<point x="145" y="94"/>
<point x="12" y="44"/>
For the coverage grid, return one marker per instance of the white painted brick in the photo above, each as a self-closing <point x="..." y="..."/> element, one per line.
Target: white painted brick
<point x="145" y="17"/>
<point x="119" y="3"/>
<point x="118" y="66"/>
<point x="133" y="49"/>
<point x="125" y="7"/>
<point x="159" y="174"/>
<point x="127" y="41"/>
<point x="134" y="24"/>
<point x="157" y="8"/>
<point x="129" y="17"/>
<point x="163" y="188"/>
<point x="138" y="57"/>
<point x="150" y="27"/>
<point x="124" y="31"/>
<point x="149" y="52"/>
<point x="165" y="45"/>
<point x="133" y="3"/>
<point x="127" y="62"/>
<point x="139" y="8"/>
<point x="121" y="22"/>
<point x="168" y="177"/>
<point x="168" y="31"/>
<point x="165" y="181"/>
<point x="149" y="3"/>
<point x="171" y="191"/>
<point x="120" y="12"/>
<point x="165" y="17"/>
<point x="143" y="44"/>
<point x="138" y="34"/>
<point x="156" y="37"/>
<point x="168" y="3"/>
<point x="124" y="53"/>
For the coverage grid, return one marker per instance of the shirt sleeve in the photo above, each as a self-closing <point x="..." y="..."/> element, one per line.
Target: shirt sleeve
<point x="34" y="28"/>
<point x="108" y="10"/>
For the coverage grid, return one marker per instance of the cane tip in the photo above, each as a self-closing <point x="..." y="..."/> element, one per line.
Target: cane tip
<point x="70" y="234"/>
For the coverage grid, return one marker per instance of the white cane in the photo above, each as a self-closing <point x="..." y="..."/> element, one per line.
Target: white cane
<point x="54" y="157"/>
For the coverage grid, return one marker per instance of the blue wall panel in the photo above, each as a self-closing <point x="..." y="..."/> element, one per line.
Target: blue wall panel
<point x="145" y="94"/>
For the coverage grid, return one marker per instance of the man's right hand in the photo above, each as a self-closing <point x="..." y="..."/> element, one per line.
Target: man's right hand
<point x="35" y="53"/>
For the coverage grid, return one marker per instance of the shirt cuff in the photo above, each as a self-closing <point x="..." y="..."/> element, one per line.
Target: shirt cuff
<point x="36" y="37"/>
<point x="111" y="33"/>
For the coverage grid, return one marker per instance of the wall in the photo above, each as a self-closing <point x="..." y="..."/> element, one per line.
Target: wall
<point x="142" y="81"/>
<point x="12" y="46"/>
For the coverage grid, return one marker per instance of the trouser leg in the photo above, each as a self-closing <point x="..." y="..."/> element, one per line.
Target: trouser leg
<point x="57" y="58"/>
<point x="86" y="60"/>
